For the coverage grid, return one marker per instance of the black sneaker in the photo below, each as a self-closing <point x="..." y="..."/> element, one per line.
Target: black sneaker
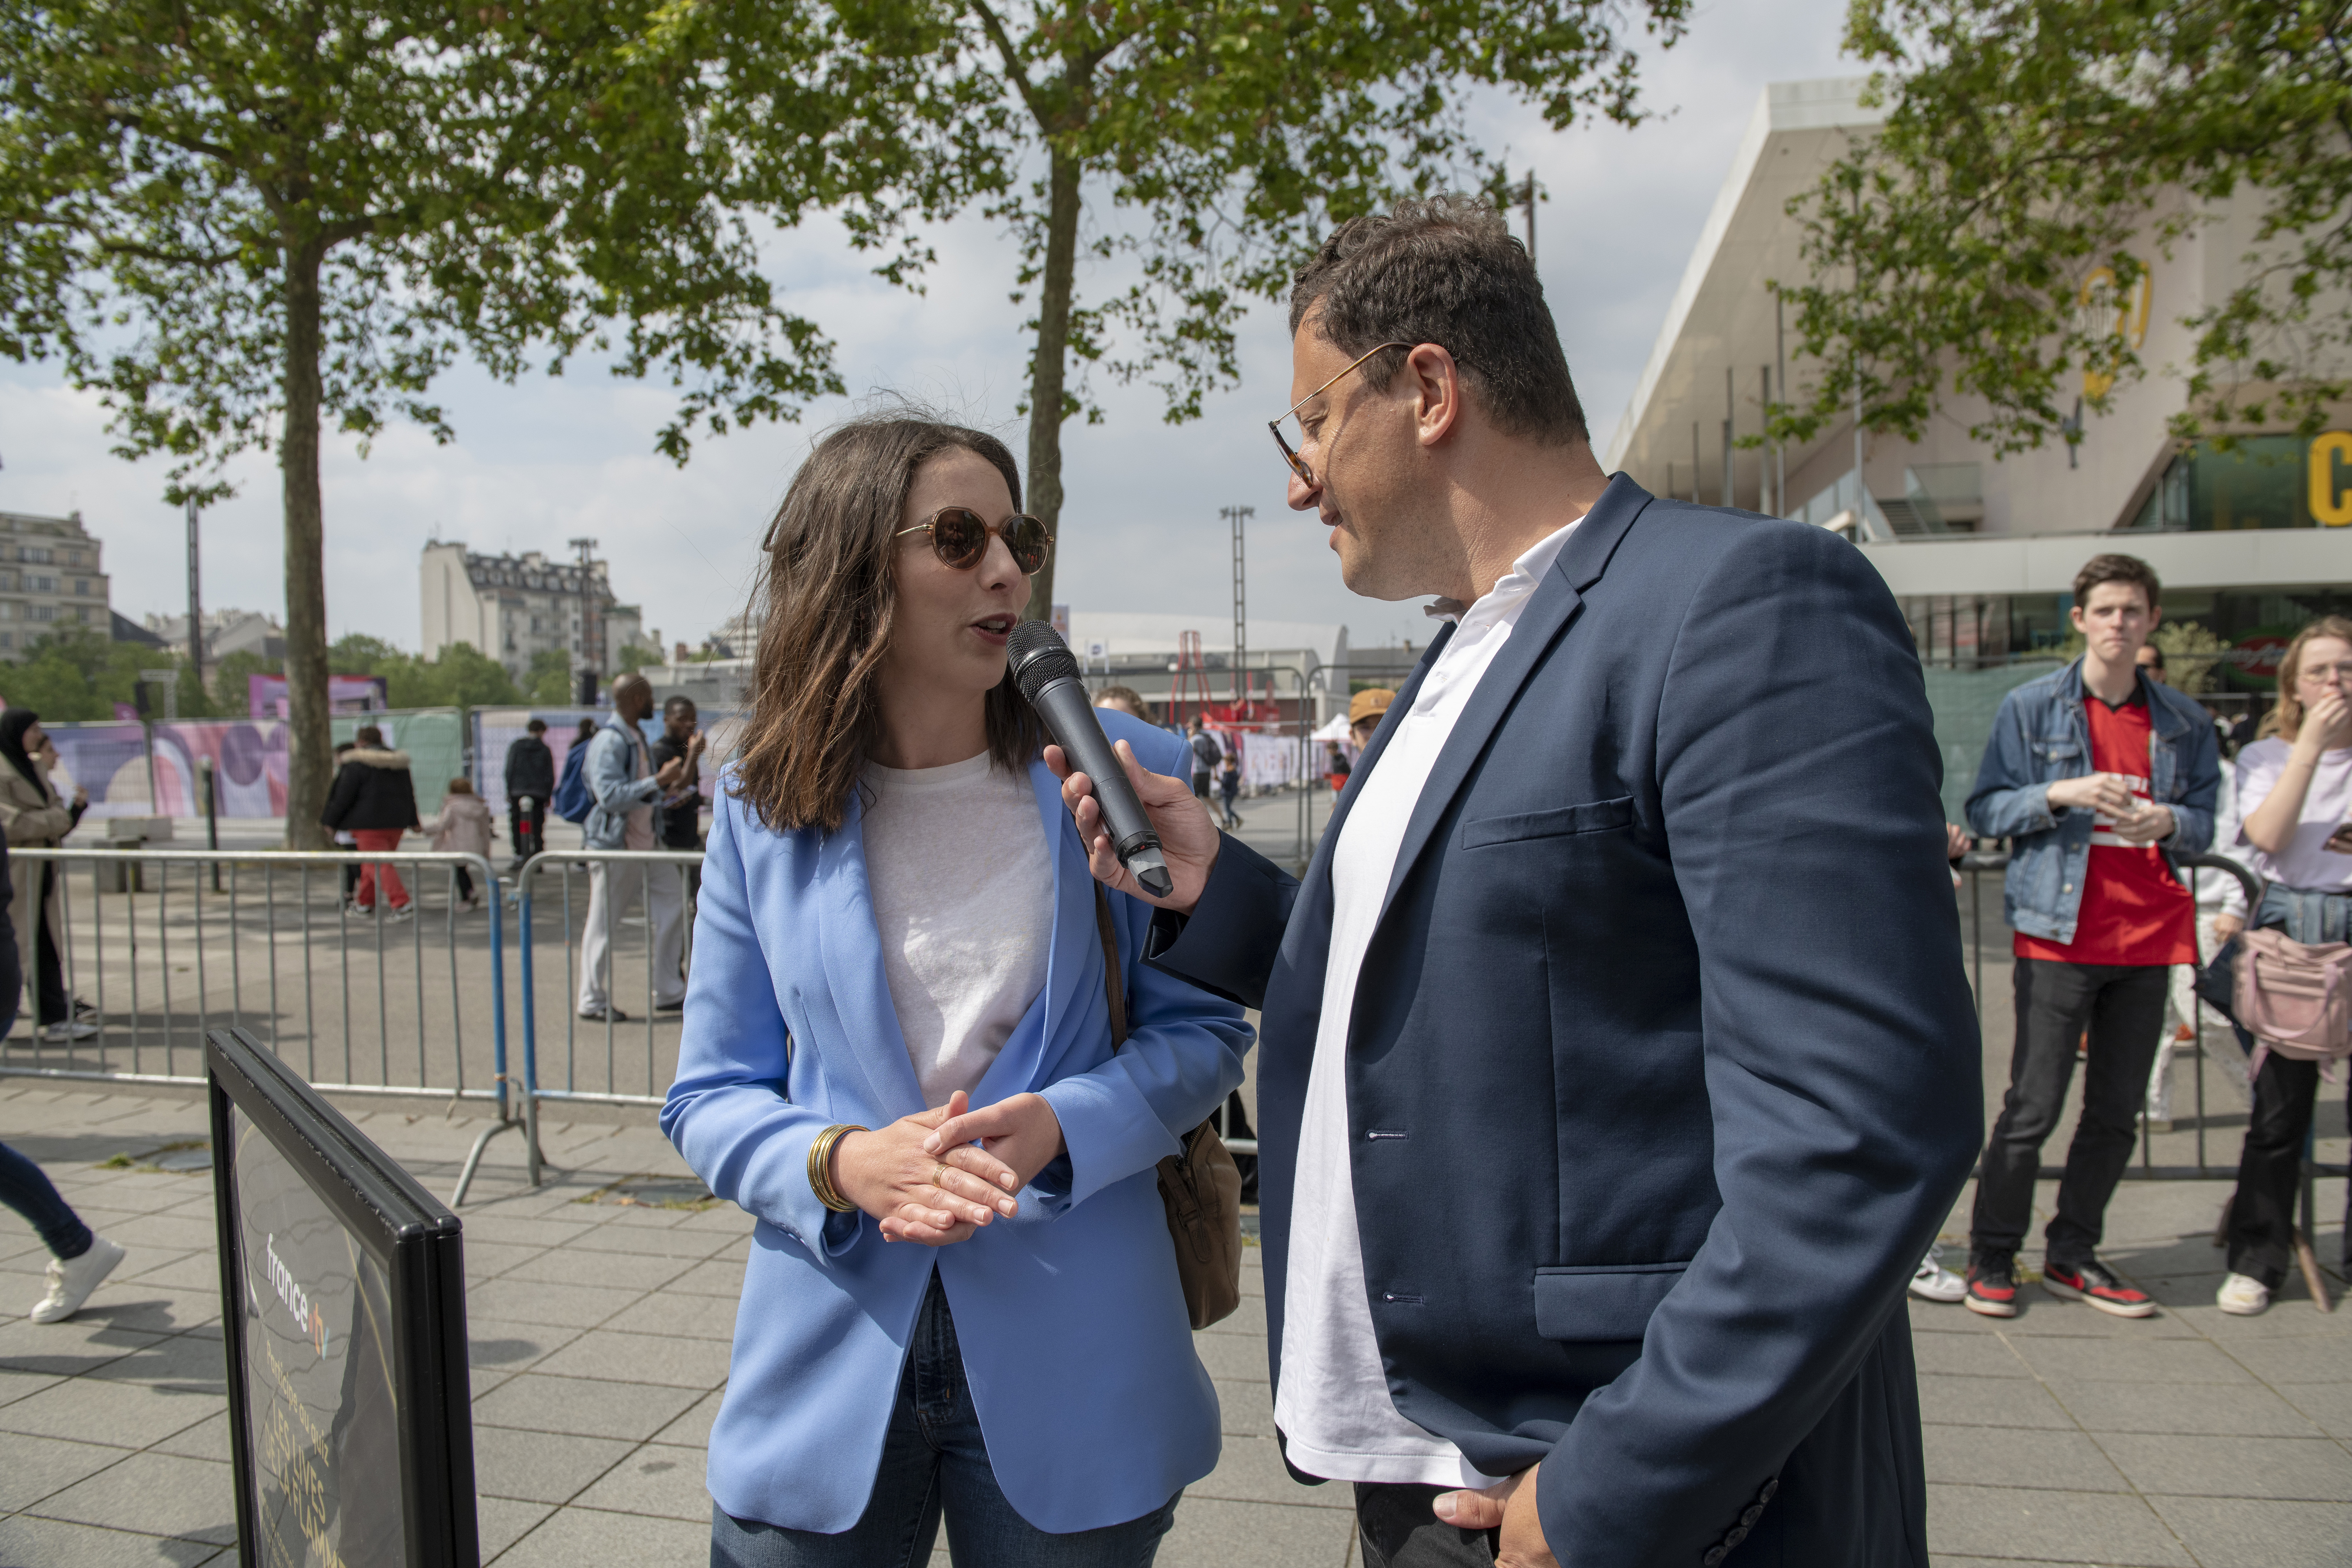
<point x="606" y="1015"/>
<point x="2091" y="1283"/>
<point x="1992" y="1284"/>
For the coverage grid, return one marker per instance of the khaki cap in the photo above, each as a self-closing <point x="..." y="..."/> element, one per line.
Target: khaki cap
<point x="1369" y="704"/>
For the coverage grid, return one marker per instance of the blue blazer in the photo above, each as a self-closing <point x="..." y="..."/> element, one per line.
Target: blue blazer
<point x="1662" y="1070"/>
<point x="1070" y="1317"/>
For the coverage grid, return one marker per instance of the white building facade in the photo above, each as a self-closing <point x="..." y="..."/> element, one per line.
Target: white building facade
<point x="1981" y="548"/>
<point x="513" y="607"/>
<point x="51" y="579"/>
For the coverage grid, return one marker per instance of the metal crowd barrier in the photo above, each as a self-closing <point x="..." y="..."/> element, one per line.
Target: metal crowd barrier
<point x="268" y="941"/>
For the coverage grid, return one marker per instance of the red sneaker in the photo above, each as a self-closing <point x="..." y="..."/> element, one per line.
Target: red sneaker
<point x="1992" y="1284"/>
<point x="2091" y="1283"/>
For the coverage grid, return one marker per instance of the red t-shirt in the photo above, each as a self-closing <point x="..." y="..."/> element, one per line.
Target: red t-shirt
<point x="2134" y="910"/>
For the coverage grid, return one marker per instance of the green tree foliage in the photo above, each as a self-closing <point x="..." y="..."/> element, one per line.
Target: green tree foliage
<point x="461" y="678"/>
<point x="548" y="682"/>
<point x="77" y="677"/>
<point x="2028" y="145"/>
<point x="1214" y="142"/>
<point x="231" y="692"/>
<point x="236" y="221"/>
<point x="637" y="656"/>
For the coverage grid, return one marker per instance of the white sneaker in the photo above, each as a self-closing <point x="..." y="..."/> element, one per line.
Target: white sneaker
<point x="68" y="1029"/>
<point x="2242" y="1296"/>
<point x="72" y="1279"/>
<point x="1934" y="1282"/>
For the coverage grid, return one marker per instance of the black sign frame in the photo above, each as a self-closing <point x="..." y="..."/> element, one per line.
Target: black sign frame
<point x="416" y="1241"/>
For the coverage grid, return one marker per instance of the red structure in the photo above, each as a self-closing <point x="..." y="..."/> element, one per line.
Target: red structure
<point x="1189" y="692"/>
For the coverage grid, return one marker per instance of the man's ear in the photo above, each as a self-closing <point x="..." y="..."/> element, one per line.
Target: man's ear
<point x="1438" y="393"/>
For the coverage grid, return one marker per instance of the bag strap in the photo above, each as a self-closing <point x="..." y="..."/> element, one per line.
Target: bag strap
<point x="1114" y="986"/>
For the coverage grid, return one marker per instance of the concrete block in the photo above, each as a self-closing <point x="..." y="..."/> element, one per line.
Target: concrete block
<point x="2305" y="1469"/>
<point x="1217" y="1533"/>
<point x="42" y="1467"/>
<point x="571" y="1536"/>
<point x="2244" y="1532"/>
<point x="27" y="1538"/>
<point x="1251" y="1471"/>
<point x="2117" y="1530"/>
<point x="2129" y="1360"/>
<point x="539" y="1301"/>
<point x="662" y="1481"/>
<point x="589" y="1407"/>
<point x="2228" y="1410"/>
<point x="541" y="1467"/>
<point x="160" y="1494"/>
<point x="2008" y="1456"/>
<point x="641" y="1358"/>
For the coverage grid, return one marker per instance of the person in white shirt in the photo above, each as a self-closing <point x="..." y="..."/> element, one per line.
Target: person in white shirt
<point x="2293" y="809"/>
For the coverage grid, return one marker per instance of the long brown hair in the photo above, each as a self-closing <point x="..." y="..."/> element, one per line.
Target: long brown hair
<point x="2285" y="718"/>
<point x="830" y="597"/>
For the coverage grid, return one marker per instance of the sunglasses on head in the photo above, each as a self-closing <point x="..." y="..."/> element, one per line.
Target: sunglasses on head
<point x="960" y="538"/>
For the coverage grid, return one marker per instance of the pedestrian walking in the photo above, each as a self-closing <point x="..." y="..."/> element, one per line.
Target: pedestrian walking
<point x="624" y="789"/>
<point x="1206" y="756"/>
<point x="1229" y="787"/>
<point x="375" y="800"/>
<point x="80" y="1258"/>
<point x="1590" y="1198"/>
<point x="995" y="1326"/>
<point x="530" y="783"/>
<point x="2096" y="773"/>
<point x="464" y="828"/>
<point x="34" y="815"/>
<point x="2292" y="820"/>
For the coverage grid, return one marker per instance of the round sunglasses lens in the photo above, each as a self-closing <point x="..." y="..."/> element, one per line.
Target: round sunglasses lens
<point x="959" y="536"/>
<point x="1025" y="537"/>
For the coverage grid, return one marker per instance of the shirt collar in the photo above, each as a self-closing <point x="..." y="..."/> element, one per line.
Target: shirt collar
<point x="1502" y="602"/>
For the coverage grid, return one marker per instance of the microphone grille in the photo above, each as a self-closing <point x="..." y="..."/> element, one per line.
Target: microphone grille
<point x="1039" y="657"/>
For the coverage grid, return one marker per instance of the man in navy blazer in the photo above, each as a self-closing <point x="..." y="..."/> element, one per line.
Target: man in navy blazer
<point x="1618" y="1063"/>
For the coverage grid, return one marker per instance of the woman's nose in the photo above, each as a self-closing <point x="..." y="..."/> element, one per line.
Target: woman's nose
<point x="997" y="567"/>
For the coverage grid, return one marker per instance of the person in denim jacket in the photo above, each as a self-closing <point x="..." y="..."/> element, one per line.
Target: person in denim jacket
<point x="2098" y="774"/>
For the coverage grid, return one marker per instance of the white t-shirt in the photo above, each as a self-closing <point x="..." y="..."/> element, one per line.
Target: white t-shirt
<point x="2305" y="862"/>
<point x="1337" y="1420"/>
<point x="963" y="903"/>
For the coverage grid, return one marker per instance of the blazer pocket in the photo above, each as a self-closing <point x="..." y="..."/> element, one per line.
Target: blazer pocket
<point x="1591" y="1306"/>
<point x="1593" y="816"/>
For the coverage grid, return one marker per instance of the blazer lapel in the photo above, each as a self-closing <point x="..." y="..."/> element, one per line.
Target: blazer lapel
<point x="1548" y="611"/>
<point x="851" y="950"/>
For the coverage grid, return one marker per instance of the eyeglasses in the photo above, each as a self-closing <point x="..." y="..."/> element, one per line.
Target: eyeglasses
<point x="960" y="538"/>
<point x="2325" y="672"/>
<point x="1298" y="464"/>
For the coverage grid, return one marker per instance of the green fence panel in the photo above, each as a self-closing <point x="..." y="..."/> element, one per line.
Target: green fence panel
<point x="434" y="738"/>
<point x="1964" y="702"/>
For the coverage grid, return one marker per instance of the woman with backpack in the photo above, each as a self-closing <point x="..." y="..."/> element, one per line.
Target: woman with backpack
<point x="2292" y="811"/>
<point x="898" y="928"/>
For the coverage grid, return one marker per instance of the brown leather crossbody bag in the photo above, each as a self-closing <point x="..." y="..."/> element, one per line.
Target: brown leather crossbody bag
<point x="1200" y="1185"/>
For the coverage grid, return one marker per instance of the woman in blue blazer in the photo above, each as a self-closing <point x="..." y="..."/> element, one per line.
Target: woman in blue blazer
<point x="897" y="924"/>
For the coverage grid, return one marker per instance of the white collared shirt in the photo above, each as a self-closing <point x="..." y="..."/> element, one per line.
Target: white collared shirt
<point x="1333" y="1405"/>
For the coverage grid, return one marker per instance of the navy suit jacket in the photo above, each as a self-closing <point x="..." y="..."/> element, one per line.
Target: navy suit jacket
<point x="1662" y="1070"/>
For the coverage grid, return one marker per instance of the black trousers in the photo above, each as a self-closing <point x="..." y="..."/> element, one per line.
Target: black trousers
<point x="51" y="1005"/>
<point x="527" y="821"/>
<point x="2123" y="1007"/>
<point x="1397" y="1529"/>
<point x="2262" y="1214"/>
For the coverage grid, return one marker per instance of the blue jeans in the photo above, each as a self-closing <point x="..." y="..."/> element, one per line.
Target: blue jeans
<point x="933" y="1458"/>
<point x="26" y="1190"/>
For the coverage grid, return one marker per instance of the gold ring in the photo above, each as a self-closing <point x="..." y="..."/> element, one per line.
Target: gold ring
<point x="939" y="1173"/>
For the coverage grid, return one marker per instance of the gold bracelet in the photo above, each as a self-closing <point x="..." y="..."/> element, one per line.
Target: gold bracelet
<point x="820" y="1166"/>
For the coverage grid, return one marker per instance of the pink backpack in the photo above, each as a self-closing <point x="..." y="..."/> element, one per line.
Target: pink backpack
<point x="2294" y="997"/>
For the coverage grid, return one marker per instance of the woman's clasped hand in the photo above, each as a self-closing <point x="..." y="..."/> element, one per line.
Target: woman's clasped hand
<point x="936" y="1191"/>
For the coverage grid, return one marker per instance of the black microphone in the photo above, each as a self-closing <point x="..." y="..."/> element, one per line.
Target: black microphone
<point x="1048" y="678"/>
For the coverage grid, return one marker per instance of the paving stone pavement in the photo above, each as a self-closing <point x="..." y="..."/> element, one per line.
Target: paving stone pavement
<point x="600" y="1331"/>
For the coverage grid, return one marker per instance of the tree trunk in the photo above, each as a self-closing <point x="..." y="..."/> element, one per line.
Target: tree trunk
<point x="1046" y="369"/>
<point x="308" y="774"/>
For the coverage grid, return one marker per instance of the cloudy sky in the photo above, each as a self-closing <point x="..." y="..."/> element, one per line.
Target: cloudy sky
<point x="546" y="460"/>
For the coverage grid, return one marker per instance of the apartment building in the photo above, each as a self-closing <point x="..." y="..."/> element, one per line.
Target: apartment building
<point x="515" y="606"/>
<point x="49" y="580"/>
